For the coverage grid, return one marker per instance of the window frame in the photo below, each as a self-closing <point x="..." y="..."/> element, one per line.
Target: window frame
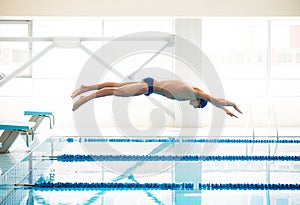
<point x="29" y="34"/>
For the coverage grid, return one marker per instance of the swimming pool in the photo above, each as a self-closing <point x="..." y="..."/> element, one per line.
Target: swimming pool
<point x="162" y="170"/>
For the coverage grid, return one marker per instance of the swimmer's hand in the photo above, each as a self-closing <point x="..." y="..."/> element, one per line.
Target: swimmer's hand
<point x="230" y="114"/>
<point x="237" y="109"/>
<point x="228" y="111"/>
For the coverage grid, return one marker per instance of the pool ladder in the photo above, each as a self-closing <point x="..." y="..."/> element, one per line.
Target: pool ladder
<point x="250" y="125"/>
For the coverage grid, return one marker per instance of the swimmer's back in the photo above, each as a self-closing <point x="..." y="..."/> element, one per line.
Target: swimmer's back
<point x="174" y="89"/>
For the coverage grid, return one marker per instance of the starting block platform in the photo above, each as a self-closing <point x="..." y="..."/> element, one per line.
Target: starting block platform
<point x="37" y="116"/>
<point x="11" y="131"/>
<point x="16" y="125"/>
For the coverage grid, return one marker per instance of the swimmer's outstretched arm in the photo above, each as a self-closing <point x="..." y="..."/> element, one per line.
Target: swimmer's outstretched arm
<point x="218" y="102"/>
<point x="223" y="102"/>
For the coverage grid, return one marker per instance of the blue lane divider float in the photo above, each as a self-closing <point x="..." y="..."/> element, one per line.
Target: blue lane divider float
<point x="163" y="186"/>
<point x="249" y="186"/>
<point x="82" y="158"/>
<point x="114" y="185"/>
<point x="175" y="140"/>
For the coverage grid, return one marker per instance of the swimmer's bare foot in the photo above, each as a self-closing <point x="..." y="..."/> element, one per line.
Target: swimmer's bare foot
<point x="80" y="90"/>
<point x="79" y="102"/>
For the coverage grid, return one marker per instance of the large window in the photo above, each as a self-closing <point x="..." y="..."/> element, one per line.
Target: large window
<point x="261" y="56"/>
<point x="61" y="67"/>
<point x="285" y="58"/>
<point x="132" y="62"/>
<point x="241" y="42"/>
<point x="238" y="50"/>
<point x="285" y="43"/>
<point x="73" y="60"/>
<point x="14" y="54"/>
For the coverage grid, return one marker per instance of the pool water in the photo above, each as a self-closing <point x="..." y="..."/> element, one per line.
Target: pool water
<point x="42" y="166"/>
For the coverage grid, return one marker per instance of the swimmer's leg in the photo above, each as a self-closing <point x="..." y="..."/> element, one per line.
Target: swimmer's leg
<point x="86" y="88"/>
<point x="128" y="90"/>
<point x="84" y="99"/>
<point x="131" y="90"/>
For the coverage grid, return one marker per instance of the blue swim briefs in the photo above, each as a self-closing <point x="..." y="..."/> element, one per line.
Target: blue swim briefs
<point x="149" y="82"/>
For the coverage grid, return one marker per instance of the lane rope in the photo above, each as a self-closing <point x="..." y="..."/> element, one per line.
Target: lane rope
<point x="160" y="186"/>
<point x="175" y="140"/>
<point x="195" y="158"/>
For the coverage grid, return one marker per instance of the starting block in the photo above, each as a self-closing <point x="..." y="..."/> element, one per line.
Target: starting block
<point x="13" y="128"/>
<point x="37" y="116"/>
<point x="11" y="131"/>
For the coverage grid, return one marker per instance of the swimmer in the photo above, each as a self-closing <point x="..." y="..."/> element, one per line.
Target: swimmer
<point x="172" y="89"/>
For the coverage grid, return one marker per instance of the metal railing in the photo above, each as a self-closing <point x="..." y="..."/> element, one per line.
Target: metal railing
<point x="22" y="171"/>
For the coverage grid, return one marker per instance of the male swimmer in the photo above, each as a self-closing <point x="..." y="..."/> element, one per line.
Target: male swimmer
<point x="172" y="89"/>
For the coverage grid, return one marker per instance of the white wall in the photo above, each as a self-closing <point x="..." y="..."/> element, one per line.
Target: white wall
<point x="149" y="8"/>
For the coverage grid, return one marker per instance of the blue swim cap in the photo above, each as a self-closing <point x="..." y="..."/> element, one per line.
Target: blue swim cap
<point x="203" y="103"/>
